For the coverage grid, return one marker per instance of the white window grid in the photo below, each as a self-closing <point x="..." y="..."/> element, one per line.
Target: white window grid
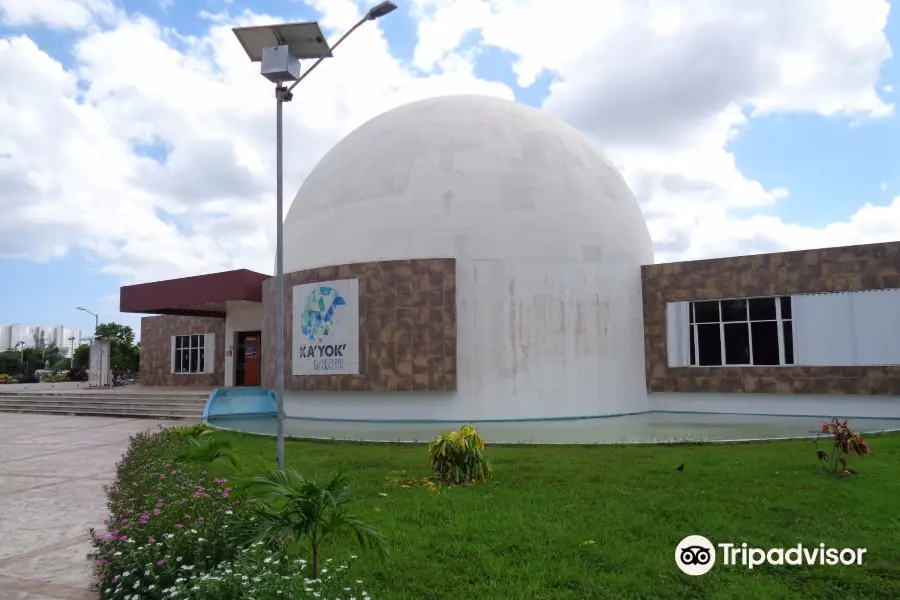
<point x="189" y="353"/>
<point x="778" y="320"/>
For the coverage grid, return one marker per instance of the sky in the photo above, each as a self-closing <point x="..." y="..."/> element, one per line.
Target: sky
<point x="137" y="140"/>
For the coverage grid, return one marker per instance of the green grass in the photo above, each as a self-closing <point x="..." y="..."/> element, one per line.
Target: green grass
<point x="523" y="535"/>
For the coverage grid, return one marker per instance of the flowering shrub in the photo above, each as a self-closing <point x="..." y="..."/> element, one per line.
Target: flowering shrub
<point x="172" y="534"/>
<point x="846" y="441"/>
<point x="166" y="520"/>
<point x="261" y="573"/>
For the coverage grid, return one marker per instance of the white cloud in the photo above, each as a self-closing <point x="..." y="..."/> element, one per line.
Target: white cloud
<point x="55" y="14"/>
<point x="663" y="86"/>
<point x="884" y="186"/>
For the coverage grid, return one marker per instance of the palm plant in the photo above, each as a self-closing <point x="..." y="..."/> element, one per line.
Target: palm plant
<point x="295" y="507"/>
<point x="207" y="449"/>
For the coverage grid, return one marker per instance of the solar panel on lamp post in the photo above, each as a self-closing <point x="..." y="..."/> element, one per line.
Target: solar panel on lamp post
<point x="279" y="49"/>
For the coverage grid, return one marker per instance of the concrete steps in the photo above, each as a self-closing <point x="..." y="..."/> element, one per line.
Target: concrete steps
<point x="106" y="404"/>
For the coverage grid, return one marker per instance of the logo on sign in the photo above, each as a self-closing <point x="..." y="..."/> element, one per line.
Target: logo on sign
<point x="321" y="312"/>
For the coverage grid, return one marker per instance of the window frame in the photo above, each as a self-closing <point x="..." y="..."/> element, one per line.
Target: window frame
<point x="779" y="320"/>
<point x="199" y="346"/>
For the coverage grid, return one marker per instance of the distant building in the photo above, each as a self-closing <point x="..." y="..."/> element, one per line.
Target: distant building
<point x="20" y="336"/>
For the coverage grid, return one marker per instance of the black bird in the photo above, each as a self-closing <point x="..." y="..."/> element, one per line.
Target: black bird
<point x="823" y="456"/>
<point x="680" y="467"/>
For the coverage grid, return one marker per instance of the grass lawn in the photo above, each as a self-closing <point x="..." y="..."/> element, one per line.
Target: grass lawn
<point x="593" y="522"/>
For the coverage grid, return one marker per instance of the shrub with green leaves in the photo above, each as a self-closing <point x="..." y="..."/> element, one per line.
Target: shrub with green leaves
<point x="207" y="450"/>
<point x="458" y="457"/>
<point x="297" y="508"/>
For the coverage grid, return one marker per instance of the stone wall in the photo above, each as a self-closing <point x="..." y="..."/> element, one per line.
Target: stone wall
<point x="407" y="327"/>
<point x="156" y="351"/>
<point x="850" y="268"/>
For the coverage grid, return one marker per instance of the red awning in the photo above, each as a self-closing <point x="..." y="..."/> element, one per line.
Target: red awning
<point x="200" y="296"/>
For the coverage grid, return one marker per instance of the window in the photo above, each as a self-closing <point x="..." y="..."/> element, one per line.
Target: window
<point x="190" y="354"/>
<point x="741" y="332"/>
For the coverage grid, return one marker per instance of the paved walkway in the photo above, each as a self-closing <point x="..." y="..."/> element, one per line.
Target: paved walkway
<point x="52" y="473"/>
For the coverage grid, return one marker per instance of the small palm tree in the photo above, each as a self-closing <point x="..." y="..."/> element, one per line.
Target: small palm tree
<point x="298" y="507"/>
<point x="207" y="449"/>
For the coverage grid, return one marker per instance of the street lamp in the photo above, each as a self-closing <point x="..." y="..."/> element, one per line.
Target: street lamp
<point x="72" y="352"/>
<point x="279" y="49"/>
<point x="96" y="318"/>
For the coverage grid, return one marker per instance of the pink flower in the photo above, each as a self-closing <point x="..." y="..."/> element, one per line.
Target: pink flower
<point x="151" y="540"/>
<point x="134" y="483"/>
<point x="159" y="562"/>
<point x="156" y="511"/>
<point x="179" y="526"/>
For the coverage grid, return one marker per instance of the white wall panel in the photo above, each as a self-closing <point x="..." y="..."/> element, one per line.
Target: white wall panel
<point x="823" y="330"/>
<point x="876" y="320"/>
<point x="678" y="332"/>
<point x="847" y="328"/>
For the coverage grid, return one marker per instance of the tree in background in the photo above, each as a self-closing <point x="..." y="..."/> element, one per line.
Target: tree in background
<point x="80" y="357"/>
<point x="123" y="333"/>
<point x="124" y="354"/>
<point x="10" y="362"/>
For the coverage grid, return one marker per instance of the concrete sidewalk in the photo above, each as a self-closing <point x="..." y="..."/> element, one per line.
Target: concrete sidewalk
<point x="52" y="473"/>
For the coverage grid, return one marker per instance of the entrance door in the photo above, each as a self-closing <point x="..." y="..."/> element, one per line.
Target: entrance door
<point x="248" y="359"/>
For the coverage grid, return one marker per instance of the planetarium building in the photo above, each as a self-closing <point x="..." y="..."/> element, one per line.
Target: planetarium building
<point x="466" y="258"/>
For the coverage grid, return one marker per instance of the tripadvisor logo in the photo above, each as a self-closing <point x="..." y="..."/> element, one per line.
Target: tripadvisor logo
<point x="696" y="555"/>
<point x="318" y="320"/>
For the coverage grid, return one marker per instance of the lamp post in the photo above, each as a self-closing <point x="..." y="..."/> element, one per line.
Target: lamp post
<point x="72" y="352"/>
<point x="279" y="49"/>
<point x="96" y="318"/>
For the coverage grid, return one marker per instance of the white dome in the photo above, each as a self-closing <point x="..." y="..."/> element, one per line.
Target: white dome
<point x="548" y="241"/>
<point x="467" y="177"/>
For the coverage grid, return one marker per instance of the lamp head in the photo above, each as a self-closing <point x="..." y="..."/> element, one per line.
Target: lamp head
<point x="379" y="10"/>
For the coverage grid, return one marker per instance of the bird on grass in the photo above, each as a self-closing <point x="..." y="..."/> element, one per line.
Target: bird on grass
<point x="680" y="467"/>
<point x="823" y="456"/>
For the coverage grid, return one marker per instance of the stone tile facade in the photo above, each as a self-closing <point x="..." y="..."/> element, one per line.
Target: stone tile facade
<point x="156" y="351"/>
<point x="407" y="328"/>
<point x="872" y="266"/>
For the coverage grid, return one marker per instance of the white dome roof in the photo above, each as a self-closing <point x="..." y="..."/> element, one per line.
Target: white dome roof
<point x="469" y="177"/>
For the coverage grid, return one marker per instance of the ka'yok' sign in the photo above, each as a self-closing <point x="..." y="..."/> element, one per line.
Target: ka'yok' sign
<point x="326" y="328"/>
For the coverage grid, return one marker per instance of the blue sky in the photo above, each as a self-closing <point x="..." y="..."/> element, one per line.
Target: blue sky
<point x="832" y="165"/>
